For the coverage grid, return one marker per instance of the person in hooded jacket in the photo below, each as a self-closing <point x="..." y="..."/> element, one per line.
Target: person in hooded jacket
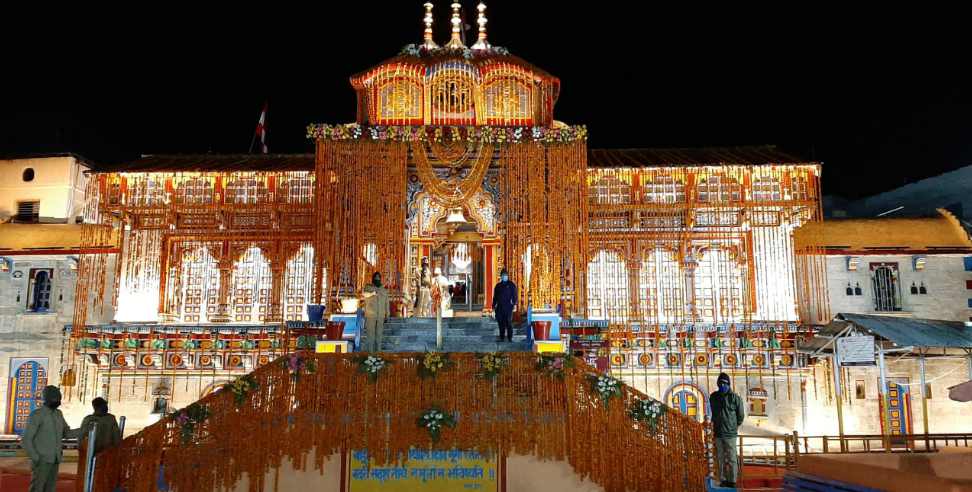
<point x="728" y="414"/>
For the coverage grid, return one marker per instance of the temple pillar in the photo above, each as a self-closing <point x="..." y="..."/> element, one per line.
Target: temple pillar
<point x="223" y="314"/>
<point x="275" y="309"/>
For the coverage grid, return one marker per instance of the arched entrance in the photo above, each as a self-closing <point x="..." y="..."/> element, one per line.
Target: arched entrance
<point x="460" y="242"/>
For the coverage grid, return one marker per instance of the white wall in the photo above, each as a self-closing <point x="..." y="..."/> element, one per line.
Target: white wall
<point x="944" y="277"/>
<point x="58" y="184"/>
<point x="26" y="335"/>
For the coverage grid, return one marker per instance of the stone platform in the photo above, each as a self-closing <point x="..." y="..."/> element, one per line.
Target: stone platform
<point x="463" y="334"/>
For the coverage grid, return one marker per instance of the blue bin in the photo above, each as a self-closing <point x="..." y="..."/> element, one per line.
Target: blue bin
<point x="315" y="313"/>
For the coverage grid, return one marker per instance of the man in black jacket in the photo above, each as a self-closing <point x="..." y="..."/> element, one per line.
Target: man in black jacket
<point x="727" y="415"/>
<point x="504" y="304"/>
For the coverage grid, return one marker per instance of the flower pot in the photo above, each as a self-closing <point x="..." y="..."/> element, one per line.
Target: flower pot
<point x="315" y="312"/>
<point x="541" y="330"/>
<point x="334" y="330"/>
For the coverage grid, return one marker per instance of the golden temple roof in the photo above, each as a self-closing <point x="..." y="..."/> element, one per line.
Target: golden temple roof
<point x="882" y="235"/>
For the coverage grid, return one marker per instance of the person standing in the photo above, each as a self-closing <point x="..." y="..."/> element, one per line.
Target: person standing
<point x="728" y="414"/>
<point x="46" y="429"/>
<point x="108" y="434"/>
<point x="376" y="312"/>
<point x="504" y="305"/>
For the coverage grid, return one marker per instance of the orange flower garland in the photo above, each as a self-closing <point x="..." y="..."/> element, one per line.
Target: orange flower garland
<point x="331" y="411"/>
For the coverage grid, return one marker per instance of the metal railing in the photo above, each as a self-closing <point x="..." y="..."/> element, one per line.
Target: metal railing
<point x="785" y="450"/>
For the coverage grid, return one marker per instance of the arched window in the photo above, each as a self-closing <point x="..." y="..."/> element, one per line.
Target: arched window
<point x="661" y="285"/>
<point x="607" y="287"/>
<point x="299" y="284"/>
<point x="252" y="281"/>
<point x="689" y="400"/>
<point x="199" y="284"/>
<point x="40" y="290"/>
<point x="719" y="287"/>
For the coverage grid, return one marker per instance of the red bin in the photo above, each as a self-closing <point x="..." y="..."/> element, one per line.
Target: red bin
<point x="541" y="330"/>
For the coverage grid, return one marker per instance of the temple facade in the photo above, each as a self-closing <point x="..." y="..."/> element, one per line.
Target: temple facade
<point x="662" y="266"/>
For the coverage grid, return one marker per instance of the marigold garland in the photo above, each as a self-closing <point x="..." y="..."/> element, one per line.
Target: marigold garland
<point x="487" y="134"/>
<point x="524" y="411"/>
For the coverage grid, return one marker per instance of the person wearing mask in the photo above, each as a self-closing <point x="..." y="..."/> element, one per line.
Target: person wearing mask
<point x="376" y="312"/>
<point x="727" y="415"/>
<point x="107" y="435"/>
<point x="46" y="429"/>
<point x="504" y="305"/>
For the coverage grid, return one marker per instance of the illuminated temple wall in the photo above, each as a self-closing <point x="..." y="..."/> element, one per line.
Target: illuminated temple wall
<point x="696" y="270"/>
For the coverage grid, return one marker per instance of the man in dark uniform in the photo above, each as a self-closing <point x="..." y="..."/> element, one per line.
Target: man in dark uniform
<point x="727" y="415"/>
<point x="504" y="304"/>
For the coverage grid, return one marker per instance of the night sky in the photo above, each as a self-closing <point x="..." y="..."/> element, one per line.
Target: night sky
<point x="881" y="97"/>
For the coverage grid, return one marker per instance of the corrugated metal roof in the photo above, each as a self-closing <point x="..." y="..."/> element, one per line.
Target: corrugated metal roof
<point x="214" y="163"/>
<point x="702" y="156"/>
<point x="705" y="156"/>
<point x="906" y="332"/>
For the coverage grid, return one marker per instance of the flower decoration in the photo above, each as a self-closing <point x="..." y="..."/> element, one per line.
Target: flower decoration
<point x="432" y="363"/>
<point x="491" y="363"/>
<point x="189" y="418"/>
<point x="648" y="412"/>
<point x="555" y="365"/>
<point x="606" y="387"/>
<point x="298" y="365"/>
<point x="486" y="134"/>
<point x="241" y="387"/>
<point x="433" y="420"/>
<point x="372" y="365"/>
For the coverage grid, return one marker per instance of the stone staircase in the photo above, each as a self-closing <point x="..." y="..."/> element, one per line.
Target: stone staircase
<point x="458" y="335"/>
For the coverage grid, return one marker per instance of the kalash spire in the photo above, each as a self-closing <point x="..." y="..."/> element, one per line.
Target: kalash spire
<point x="453" y="84"/>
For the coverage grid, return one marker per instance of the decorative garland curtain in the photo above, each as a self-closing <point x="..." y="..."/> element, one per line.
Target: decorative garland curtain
<point x="521" y="410"/>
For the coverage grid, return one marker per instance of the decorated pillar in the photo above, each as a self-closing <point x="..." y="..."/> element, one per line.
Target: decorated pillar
<point x="223" y="314"/>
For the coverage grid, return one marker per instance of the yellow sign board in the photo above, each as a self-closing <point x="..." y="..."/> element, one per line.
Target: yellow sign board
<point x="428" y="470"/>
<point x="548" y="346"/>
<point x="332" y="346"/>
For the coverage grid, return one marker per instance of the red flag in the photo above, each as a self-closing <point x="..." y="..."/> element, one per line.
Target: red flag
<point x="261" y="130"/>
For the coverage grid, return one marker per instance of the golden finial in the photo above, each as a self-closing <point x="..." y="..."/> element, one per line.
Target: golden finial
<point x="456" y="41"/>
<point x="481" y="43"/>
<point x="429" y="42"/>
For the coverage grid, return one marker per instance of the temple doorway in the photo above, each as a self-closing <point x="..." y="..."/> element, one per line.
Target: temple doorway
<point x="461" y="244"/>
